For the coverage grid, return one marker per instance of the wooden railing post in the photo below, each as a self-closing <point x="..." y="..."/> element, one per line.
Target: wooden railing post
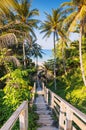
<point x="52" y="100"/>
<point x="47" y="95"/>
<point x="43" y="88"/>
<point x="23" y="118"/>
<point x="69" y="114"/>
<point x="45" y="92"/>
<point x="61" y="116"/>
<point x="22" y="114"/>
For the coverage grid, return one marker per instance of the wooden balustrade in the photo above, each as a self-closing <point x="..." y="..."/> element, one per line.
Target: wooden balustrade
<point x="70" y="118"/>
<point x="22" y="114"/>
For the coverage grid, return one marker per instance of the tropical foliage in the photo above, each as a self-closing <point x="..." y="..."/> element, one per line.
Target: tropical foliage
<point x="76" y="18"/>
<point x="70" y="86"/>
<point x="53" y="24"/>
<point x="16" y="25"/>
<point x="18" y="43"/>
<point x="69" y="55"/>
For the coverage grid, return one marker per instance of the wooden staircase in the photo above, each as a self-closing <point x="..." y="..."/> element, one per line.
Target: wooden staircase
<point x="45" y="121"/>
<point x="69" y="117"/>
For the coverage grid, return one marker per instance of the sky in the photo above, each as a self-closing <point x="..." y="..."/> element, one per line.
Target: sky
<point x="45" y="6"/>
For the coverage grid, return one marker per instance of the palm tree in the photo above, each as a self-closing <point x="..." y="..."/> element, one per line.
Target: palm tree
<point x="25" y="16"/>
<point x="53" y="25"/>
<point x="23" y="23"/>
<point x="35" y="51"/>
<point x="77" y="16"/>
<point x="46" y="72"/>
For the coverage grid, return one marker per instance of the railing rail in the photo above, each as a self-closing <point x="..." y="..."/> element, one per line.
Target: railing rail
<point x="22" y="114"/>
<point x="70" y="118"/>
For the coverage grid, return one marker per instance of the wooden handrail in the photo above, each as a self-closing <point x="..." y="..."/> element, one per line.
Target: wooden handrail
<point x="22" y="114"/>
<point x="67" y="113"/>
<point x="72" y="108"/>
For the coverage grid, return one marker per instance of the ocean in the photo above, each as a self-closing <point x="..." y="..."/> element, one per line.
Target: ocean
<point x="47" y="54"/>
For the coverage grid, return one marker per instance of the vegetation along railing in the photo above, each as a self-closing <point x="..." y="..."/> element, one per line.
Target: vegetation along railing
<point x="22" y="114"/>
<point x="69" y="118"/>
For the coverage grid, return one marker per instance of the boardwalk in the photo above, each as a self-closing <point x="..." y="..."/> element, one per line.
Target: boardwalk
<point x="64" y="111"/>
<point x="45" y="121"/>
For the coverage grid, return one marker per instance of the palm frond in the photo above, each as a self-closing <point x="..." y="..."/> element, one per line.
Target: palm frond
<point x="2" y="28"/>
<point x="67" y="21"/>
<point x="74" y="23"/>
<point x="33" y="12"/>
<point x="82" y="12"/>
<point x="13" y="59"/>
<point x="47" y="34"/>
<point x="67" y="4"/>
<point x="68" y="10"/>
<point x="7" y="40"/>
<point x="3" y="6"/>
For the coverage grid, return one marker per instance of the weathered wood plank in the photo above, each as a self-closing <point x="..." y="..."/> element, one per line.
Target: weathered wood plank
<point x="70" y="112"/>
<point x="11" y="121"/>
<point x="81" y="115"/>
<point x="81" y="124"/>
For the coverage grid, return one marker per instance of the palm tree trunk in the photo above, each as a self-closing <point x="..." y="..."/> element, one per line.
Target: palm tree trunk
<point x="37" y="62"/>
<point x="24" y="57"/>
<point x="37" y="68"/>
<point x="54" y="34"/>
<point x="80" y="55"/>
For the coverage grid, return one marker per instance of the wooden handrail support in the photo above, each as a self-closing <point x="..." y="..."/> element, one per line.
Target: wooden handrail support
<point x="22" y="114"/>
<point x="66" y="113"/>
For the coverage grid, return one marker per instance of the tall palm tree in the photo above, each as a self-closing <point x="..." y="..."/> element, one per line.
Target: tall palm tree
<point x="78" y="16"/>
<point x="35" y="51"/>
<point x="24" y="23"/>
<point x="25" y="16"/>
<point x="52" y="24"/>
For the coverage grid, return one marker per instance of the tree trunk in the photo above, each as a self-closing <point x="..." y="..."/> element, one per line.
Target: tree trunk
<point x="54" y="60"/>
<point x="37" y="68"/>
<point x="37" y="62"/>
<point x="24" y="57"/>
<point x="80" y="55"/>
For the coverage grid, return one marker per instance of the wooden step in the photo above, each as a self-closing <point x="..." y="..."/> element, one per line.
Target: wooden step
<point x="45" y="115"/>
<point x="47" y="128"/>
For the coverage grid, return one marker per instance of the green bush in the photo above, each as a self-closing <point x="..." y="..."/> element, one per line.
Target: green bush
<point x="17" y="90"/>
<point x="33" y="117"/>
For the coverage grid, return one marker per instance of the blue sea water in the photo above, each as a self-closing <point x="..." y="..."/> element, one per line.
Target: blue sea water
<point x="46" y="55"/>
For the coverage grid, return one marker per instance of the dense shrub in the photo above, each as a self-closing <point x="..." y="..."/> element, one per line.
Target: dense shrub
<point x="17" y="90"/>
